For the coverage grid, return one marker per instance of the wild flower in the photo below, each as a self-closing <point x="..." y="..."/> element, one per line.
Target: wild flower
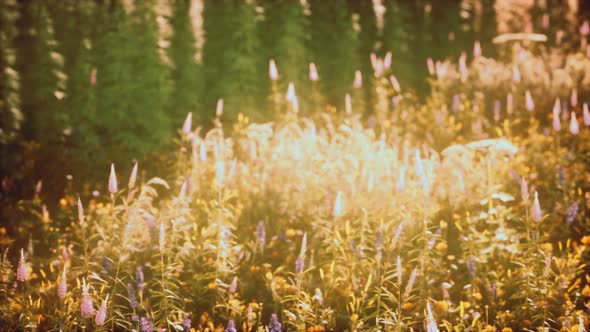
<point x="113" y="180"/>
<point x="80" y="211"/>
<point x="586" y="114"/>
<point x="219" y="173"/>
<point x="101" y="314"/>
<point x="431" y="325"/>
<point x="183" y="190"/>
<point x="274" y="325"/>
<point x="471" y="267"/>
<point x="313" y="72"/>
<point x="273" y="72"/>
<point x="530" y="105"/>
<point x="186" y="321"/>
<point x="456" y="103"/>
<point x="162" y="237"/>
<point x="337" y="210"/>
<point x="86" y="306"/>
<point x="387" y="60"/>
<point x="131" y="295"/>
<point x="515" y="74"/>
<point x="299" y="264"/>
<point x="187" y="125"/>
<point x="358" y="80"/>
<point x="233" y="286"/>
<point x="430" y="65"/>
<point x="22" y="273"/>
<point x="139" y="277"/>
<point x="347" y="104"/>
<point x="574" y="98"/>
<point x="231" y="326"/>
<point x="572" y="211"/>
<point x="132" y="177"/>
<point x="261" y="233"/>
<point x="536" y="209"/>
<point x="146" y="324"/>
<point x="62" y="288"/>
<point x="290" y="96"/>
<point x="411" y="281"/>
<point x="219" y="108"/>
<point x="556" y="113"/>
<point x="497" y="106"/>
<point x="574" y="126"/>
<point x="463" y="66"/>
<point x="476" y="51"/>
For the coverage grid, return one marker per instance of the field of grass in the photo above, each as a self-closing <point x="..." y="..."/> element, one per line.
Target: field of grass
<point x="465" y="211"/>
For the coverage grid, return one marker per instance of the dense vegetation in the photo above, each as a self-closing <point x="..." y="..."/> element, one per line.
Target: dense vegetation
<point x="360" y="208"/>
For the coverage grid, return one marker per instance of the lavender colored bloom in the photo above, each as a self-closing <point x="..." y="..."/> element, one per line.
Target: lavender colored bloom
<point x="231" y="326"/>
<point x="186" y="322"/>
<point x="379" y="240"/>
<point x="493" y="290"/>
<point x="471" y="267"/>
<point x="456" y="103"/>
<point x="536" y="209"/>
<point x="299" y="264"/>
<point x="131" y="295"/>
<point x="101" y="314"/>
<point x="21" y="271"/>
<point x="411" y="281"/>
<point x="146" y="324"/>
<point x="233" y="287"/>
<point x="497" y="106"/>
<point x="62" y="288"/>
<point x="139" y="276"/>
<point x="113" y="180"/>
<point x="86" y="307"/>
<point x="274" y="325"/>
<point x="561" y="176"/>
<point x="431" y="325"/>
<point x="572" y="211"/>
<point x="261" y="233"/>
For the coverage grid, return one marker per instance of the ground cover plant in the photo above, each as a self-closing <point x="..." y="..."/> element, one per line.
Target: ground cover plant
<point x="465" y="211"/>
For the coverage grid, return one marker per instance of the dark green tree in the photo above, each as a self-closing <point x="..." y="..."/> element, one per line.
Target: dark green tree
<point x="132" y="86"/>
<point x="331" y="43"/>
<point x="185" y="70"/>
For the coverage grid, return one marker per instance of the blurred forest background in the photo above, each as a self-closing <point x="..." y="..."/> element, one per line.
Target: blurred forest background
<point x="87" y="83"/>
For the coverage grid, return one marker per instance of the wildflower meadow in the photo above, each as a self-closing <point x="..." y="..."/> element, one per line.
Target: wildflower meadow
<point x="463" y="210"/>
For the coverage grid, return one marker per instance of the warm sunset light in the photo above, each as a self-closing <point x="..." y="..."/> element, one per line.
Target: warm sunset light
<point x="295" y="165"/>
